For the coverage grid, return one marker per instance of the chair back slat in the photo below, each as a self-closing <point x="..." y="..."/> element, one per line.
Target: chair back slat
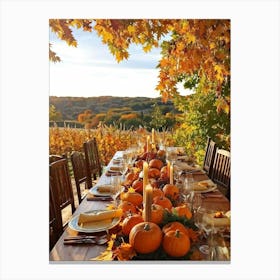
<point x="92" y="160"/>
<point x="221" y="170"/>
<point x="209" y="157"/>
<point x="80" y="171"/>
<point x="62" y="185"/>
<point x="55" y="218"/>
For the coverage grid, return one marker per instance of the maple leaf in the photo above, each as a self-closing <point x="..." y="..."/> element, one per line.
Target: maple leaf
<point x="124" y="252"/>
<point x="131" y="29"/>
<point x="147" y="48"/>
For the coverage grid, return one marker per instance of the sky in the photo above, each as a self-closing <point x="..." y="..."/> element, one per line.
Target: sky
<point x="91" y="70"/>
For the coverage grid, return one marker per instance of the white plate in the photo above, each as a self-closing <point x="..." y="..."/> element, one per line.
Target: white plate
<point x="211" y="187"/>
<point x="73" y="224"/>
<point x="94" y="191"/>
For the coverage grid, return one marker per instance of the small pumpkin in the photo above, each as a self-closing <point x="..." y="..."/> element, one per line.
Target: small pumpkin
<point x="171" y="191"/>
<point x="157" y="192"/>
<point x="174" y="226"/>
<point x="155" y="163"/>
<point x="138" y="185"/>
<point x="182" y="211"/>
<point x="153" y="173"/>
<point x="130" y="178"/>
<point x="133" y="197"/>
<point x="127" y="208"/>
<point x="163" y="201"/>
<point x="164" y="173"/>
<point x="175" y="243"/>
<point x="145" y="237"/>
<point x="139" y="164"/>
<point x="130" y="221"/>
<point x="157" y="213"/>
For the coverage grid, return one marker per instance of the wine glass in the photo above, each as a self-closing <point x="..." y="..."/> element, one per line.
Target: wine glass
<point x="188" y="189"/>
<point x="116" y="188"/>
<point x="171" y="154"/>
<point x="123" y="167"/>
<point x="197" y="202"/>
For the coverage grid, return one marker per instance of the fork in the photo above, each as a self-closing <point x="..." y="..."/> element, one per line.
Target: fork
<point x="98" y="241"/>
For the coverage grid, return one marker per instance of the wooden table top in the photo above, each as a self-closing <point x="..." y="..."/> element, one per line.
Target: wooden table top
<point x="87" y="252"/>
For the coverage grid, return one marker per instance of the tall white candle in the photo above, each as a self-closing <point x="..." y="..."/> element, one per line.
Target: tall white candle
<point x="148" y="203"/>
<point x="171" y="174"/>
<point x="153" y="136"/>
<point x="148" y="144"/>
<point x="145" y="177"/>
<point x="168" y="168"/>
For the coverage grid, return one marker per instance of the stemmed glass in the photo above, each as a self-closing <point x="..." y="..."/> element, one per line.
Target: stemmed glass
<point x="123" y="167"/>
<point x="116" y="188"/>
<point x="171" y="154"/>
<point x="188" y="189"/>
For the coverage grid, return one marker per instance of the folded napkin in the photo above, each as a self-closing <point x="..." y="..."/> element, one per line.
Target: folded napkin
<point x="99" y="219"/>
<point x="186" y="167"/>
<point x="203" y="185"/>
<point x="112" y="173"/>
<point x="104" y="188"/>
<point x="210" y="219"/>
<point x="115" y="168"/>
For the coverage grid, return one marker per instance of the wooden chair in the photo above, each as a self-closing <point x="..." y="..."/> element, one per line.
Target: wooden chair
<point x="93" y="165"/>
<point x="53" y="158"/>
<point x="80" y="172"/>
<point x="209" y="157"/>
<point x="221" y="171"/>
<point x="55" y="218"/>
<point x="62" y="186"/>
<point x="97" y="156"/>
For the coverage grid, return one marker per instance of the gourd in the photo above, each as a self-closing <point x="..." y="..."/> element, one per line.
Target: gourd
<point x="130" y="221"/>
<point x="157" y="213"/>
<point x="175" y="243"/>
<point x="171" y="191"/>
<point x="145" y="237"/>
<point x="163" y="201"/>
<point x="174" y="226"/>
<point x="133" y="197"/>
<point x="182" y="211"/>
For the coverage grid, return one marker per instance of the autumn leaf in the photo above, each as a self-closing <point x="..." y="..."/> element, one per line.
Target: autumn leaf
<point x="131" y="29"/>
<point x="124" y="252"/>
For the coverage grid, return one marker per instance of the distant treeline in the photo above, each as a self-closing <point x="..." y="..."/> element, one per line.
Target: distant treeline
<point x="127" y="112"/>
<point x="71" y="107"/>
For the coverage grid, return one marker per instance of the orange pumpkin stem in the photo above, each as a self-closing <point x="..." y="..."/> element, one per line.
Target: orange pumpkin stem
<point x="177" y="233"/>
<point x="147" y="227"/>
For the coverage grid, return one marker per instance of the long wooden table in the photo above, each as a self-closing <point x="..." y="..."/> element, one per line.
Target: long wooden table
<point x="86" y="252"/>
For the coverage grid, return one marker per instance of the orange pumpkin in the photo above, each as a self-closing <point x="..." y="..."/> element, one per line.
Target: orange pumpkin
<point x="145" y="237"/>
<point x="133" y="197"/>
<point x="130" y="178"/>
<point x="161" y="154"/>
<point x="171" y="191"/>
<point x="157" y="192"/>
<point x="138" y="185"/>
<point x="155" y="163"/>
<point x="164" y="173"/>
<point x="130" y="221"/>
<point x="127" y="208"/>
<point x="139" y="164"/>
<point x="157" y="213"/>
<point x="182" y="210"/>
<point x="174" y="226"/>
<point x="176" y="243"/>
<point x="153" y="173"/>
<point x="163" y="201"/>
